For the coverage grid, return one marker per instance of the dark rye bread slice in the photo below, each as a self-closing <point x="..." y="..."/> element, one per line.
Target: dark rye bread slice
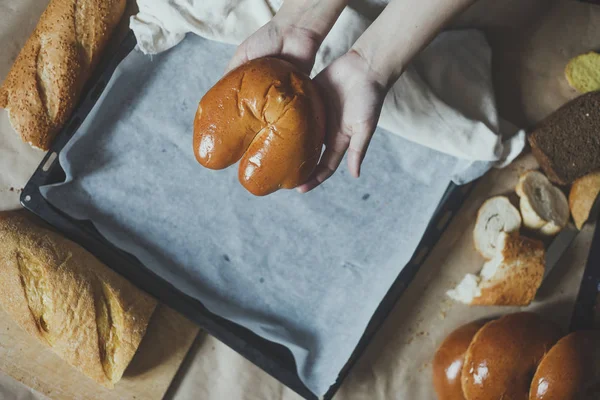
<point x="567" y="143"/>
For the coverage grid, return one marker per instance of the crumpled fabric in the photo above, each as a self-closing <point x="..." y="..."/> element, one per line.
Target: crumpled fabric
<point x="444" y="100"/>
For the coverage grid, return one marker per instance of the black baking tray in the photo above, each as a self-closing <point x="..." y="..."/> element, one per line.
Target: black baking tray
<point x="273" y="358"/>
<point x="586" y="313"/>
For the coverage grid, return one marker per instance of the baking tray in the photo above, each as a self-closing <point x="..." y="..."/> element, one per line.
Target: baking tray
<point x="273" y="358"/>
<point x="586" y="313"/>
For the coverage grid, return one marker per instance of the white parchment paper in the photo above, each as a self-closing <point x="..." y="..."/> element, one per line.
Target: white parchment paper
<point x="306" y="271"/>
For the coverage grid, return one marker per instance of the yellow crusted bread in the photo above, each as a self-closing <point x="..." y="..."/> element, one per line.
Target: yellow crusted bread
<point x="54" y="289"/>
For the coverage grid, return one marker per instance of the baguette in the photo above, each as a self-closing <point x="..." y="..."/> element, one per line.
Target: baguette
<point x="58" y="292"/>
<point x="45" y="81"/>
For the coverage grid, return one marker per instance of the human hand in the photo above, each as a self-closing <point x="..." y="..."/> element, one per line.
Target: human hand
<point x="289" y="42"/>
<point x="294" y="33"/>
<point x="353" y="95"/>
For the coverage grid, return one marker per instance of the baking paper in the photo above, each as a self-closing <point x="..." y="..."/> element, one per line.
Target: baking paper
<point x="306" y="271"/>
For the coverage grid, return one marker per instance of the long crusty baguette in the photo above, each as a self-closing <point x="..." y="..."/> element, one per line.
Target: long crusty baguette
<point x="45" y="81"/>
<point x="57" y="291"/>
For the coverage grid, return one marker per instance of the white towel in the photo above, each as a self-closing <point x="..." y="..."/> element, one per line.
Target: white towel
<point x="444" y="100"/>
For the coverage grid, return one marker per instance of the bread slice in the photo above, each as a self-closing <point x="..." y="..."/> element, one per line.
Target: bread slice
<point x="59" y="293"/>
<point x="512" y="277"/>
<point x="583" y="72"/>
<point x="495" y="215"/>
<point x="567" y="143"/>
<point x="582" y="197"/>
<point x="544" y="207"/>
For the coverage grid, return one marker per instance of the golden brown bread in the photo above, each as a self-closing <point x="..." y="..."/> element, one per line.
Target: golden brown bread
<point x="571" y="370"/>
<point x="503" y="356"/>
<point x="449" y="359"/>
<point x="582" y="197"/>
<point x="57" y="291"/>
<point x="512" y="277"/>
<point x="268" y="114"/>
<point x="45" y="81"/>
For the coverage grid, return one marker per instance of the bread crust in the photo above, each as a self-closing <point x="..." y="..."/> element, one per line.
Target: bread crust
<point x="268" y="115"/>
<point x="54" y="289"/>
<point x="570" y="370"/>
<point x="582" y="197"/>
<point x="43" y="86"/>
<point x="504" y="354"/>
<point x="523" y="261"/>
<point x="449" y="359"/>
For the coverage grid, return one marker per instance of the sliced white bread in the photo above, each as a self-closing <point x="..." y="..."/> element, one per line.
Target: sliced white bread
<point x="512" y="277"/>
<point x="582" y="197"/>
<point x="495" y="215"/>
<point x="544" y="207"/>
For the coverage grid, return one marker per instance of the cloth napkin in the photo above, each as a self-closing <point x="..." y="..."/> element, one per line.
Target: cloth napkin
<point x="444" y="100"/>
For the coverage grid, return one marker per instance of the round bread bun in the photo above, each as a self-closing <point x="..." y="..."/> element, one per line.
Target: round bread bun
<point x="503" y="357"/>
<point x="448" y="361"/>
<point x="571" y="370"/>
<point x="268" y="114"/>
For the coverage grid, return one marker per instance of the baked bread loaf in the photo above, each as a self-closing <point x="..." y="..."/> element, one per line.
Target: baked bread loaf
<point x="58" y="292"/>
<point x="512" y="277"/>
<point x="544" y="206"/>
<point x="449" y="359"/>
<point x="582" y="197"/>
<point x="583" y="72"/>
<point x="268" y="114"/>
<point x="495" y="215"/>
<point x="46" y="80"/>
<point x="571" y="370"/>
<point x="504" y="355"/>
<point x="567" y="143"/>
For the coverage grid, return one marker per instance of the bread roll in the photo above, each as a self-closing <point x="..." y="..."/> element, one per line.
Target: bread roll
<point x="544" y="206"/>
<point x="512" y="277"/>
<point x="495" y="215"/>
<point x="449" y="360"/>
<point x="503" y="355"/>
<point x="583" y="72"/>
<point x="268" y="114"/>
<point x="571" y="370"/>
<point x="43" y="86"/>
<point x="582" y="197"/>
<point x="58" y="292"/>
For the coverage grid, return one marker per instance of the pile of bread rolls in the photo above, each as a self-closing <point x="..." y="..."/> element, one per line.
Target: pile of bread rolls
<point x="517" y="357"/>
<point x="515" y="263"/>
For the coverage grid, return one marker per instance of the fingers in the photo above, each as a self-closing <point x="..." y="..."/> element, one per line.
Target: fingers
<point x="359" y="143"/>
<point x="240" y="57"/>
<point x="330" y="161"/>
